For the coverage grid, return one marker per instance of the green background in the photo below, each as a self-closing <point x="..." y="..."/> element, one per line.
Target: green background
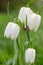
<point x="6" y="45"/>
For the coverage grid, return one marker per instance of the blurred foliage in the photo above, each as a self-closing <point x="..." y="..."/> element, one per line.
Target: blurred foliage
<point x="7" y="45"/>
<point x="12" y="4"/>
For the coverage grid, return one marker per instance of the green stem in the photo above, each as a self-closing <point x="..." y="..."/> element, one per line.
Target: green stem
<point x="20" y="58"/>
<point x="8" y="7"/>
<point x="20" y="61"/>
<point x="24" y="63"/>
<point x="15" y="53"/>
<point x="28" y="33"/>
<point x="18" y="44"/>
<point x="19" y="47"/>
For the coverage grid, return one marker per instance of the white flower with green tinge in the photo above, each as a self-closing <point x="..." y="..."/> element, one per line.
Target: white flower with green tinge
<point x="34" y="22"/>
<point x="24" y="11"/>
<point x="30" y="54"/>
<point x="33" y="19"/>
<point x="12" y="30"/>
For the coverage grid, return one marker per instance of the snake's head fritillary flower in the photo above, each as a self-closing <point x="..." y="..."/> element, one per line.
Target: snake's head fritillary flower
<point x="34" y="21"/>
<point x="30" y="54"/>
<point x="24" y="11"/>
<point x="37" y="22"/>
<point x="12" y="30"/>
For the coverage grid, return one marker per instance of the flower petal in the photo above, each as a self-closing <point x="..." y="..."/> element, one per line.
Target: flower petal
<point x="12" y="30"/>
<point x="30" y="55"/>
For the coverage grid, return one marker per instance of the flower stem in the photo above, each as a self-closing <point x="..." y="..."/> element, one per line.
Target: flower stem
<point x="28" y="33"/>
<point x="20" y="53"/>
<point x="18" y="44"/>
<point x="15" y="52"/>
<point x="8" y="7"/>
<point x="19" y="47"/>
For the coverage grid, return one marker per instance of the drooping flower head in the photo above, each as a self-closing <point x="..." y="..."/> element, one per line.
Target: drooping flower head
<point x="30" y="54"/>
<point x="24" y="11"/>
<point x="34" y="22"/>
<point x="12" y="30"/>
<point x="33" y="19"/>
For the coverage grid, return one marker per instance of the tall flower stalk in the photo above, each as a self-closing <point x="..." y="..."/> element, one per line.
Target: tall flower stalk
<point x="20" y="53"/>
<point x="27" y="31"/>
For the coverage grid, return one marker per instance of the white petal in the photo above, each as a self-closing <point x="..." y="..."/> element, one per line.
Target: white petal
<point x="21" y="15"/>
<point x="30" y="55"/>
<point x="12" y="30"/>
<point x="7" y="30"/>
<point x="28" y="11"/>
<point x="34" y="21"/>
<point x="15" y="31"/>
<point x="37" y="22"/>
<point x="31" y="20"/>
<point x="24" y="11"/>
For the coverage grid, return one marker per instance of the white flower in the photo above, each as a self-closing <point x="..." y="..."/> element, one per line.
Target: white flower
<point x="24" y="11"/>
<point x="12" y="30"/>
<point x="37" y="22"/>
<point x="30" y="55"/>
<point x="34" y="21"/>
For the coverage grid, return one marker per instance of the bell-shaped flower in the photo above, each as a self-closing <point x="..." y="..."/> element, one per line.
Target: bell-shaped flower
<point x="12" y="30"/>
<point x="34" y="22"/>
<point x="30" y="54"/>
<point x="24" y="11"/>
